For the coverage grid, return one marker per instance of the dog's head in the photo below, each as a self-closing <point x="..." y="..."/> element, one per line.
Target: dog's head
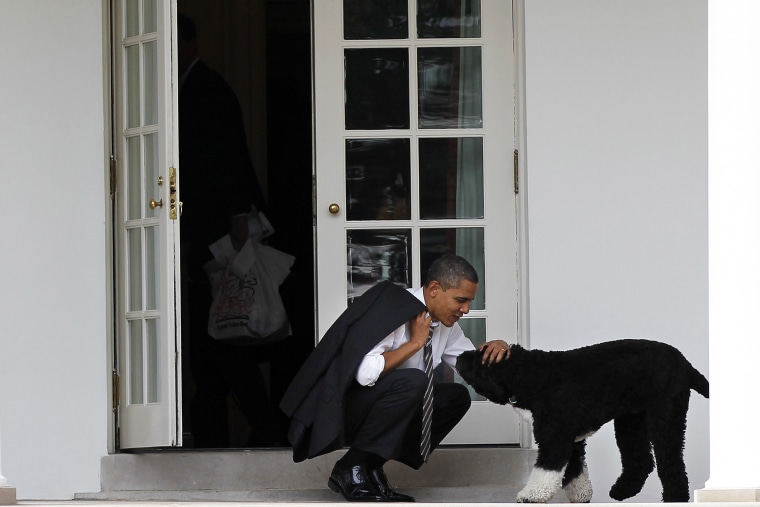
<point x="494" y="381"/>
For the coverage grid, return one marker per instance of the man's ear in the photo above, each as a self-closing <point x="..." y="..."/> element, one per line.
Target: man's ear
<point x="434" y="288"/>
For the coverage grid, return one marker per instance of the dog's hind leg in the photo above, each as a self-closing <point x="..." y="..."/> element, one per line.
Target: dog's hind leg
<point x="635" y="455"/>
<point x="576" y="483"/>
<point x="667" y="428"/>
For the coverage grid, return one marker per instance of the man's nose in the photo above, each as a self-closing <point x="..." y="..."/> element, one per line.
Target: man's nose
<point x="465" y="309"/>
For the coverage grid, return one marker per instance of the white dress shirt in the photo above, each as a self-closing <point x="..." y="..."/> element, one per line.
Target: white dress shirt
<point x="448" y="343"/>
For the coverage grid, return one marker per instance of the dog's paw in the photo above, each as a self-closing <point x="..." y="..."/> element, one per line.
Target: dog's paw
<point x="528" y="498"/>
<point x="579" y="490"/>
<point x="625" y="488"/>
<point x="542" y="484"/>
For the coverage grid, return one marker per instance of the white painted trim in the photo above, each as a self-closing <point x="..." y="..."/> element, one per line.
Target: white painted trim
<point x="734" y="246"/>
<point x="521" y="203"/>
<point x="109" y="222"/>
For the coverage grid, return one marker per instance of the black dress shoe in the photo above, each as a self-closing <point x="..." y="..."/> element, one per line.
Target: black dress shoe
<point x="377" y="475"/>
<point x="354" y="484"/>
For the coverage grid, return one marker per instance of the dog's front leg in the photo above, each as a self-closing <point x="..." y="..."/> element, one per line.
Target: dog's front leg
<point x="546" y="477"/>
<point x="576" y="482"/>
<point x="541" y="486"/>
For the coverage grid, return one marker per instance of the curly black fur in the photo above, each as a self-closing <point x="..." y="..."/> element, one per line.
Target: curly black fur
<point x="642" y="385"/>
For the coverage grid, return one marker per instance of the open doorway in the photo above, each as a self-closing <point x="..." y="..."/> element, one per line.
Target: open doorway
<point x="262" y="49"/>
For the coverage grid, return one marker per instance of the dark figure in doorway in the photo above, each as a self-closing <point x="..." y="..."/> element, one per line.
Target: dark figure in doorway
<point x="218" y="185"/>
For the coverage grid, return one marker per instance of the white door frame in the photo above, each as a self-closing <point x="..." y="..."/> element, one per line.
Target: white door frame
<point x="329" y="164"/>
<point x="523" y="298"/>
<point x="521" y="211"/>
<point x="146" y="326"/>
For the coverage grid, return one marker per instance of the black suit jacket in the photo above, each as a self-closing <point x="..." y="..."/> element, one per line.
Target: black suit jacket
<point x="314" y="400"/>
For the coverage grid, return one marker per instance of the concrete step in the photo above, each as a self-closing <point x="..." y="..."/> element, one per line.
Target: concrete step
<point x="453" y="474"/>
<point x="459" y="496"/>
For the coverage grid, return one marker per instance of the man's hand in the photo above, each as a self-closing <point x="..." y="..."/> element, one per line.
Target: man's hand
<point x="238" y="231"/>
<point x="494" y="351"/>
<point x="420" y="329"/>
<point x="420" y="326"/>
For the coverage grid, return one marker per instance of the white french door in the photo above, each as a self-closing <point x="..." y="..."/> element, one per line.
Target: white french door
<point x="147" y="231"/>
<point x="414" y="132"/>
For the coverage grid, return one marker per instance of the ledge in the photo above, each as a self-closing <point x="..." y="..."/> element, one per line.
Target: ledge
<point x="727" y="495"/>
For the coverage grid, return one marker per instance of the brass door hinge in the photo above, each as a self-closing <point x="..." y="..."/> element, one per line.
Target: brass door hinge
<point x="313" y="201"/>
<point x="114" y="390"/>
<point x="516" y="166"/>
<point x="112" y="176"/>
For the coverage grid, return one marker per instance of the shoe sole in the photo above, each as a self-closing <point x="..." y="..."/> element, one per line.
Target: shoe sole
<point x="333" y="485"/>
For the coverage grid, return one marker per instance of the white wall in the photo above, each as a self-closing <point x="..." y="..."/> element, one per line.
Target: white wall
<point x="53" y="410"/>
<point x="617" y="189"/>
<point x="617" y="186"/>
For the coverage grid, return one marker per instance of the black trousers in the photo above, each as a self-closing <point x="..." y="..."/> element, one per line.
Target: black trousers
<point x="217" y="370"/>
<point x="386" y="419"/>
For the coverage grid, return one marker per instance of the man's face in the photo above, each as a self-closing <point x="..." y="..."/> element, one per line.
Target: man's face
<point x="448" y="306"/>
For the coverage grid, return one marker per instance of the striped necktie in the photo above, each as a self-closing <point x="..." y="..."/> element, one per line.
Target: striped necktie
<point x="427" y="401"/>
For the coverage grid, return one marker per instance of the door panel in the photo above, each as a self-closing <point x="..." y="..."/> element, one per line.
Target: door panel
<point x="147" y="242"/>
<point x="414" y="116"/>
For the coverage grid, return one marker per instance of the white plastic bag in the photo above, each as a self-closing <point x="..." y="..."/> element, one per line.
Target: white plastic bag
<point x="247" y="307"/>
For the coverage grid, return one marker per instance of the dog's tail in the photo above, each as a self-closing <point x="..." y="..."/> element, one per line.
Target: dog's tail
<point x="699" y="383"/>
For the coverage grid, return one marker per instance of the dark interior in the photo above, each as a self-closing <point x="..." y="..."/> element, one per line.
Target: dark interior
<point x="279" y="118"/>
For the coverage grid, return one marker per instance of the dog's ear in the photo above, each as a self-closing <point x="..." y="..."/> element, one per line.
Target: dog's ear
<point x="468" y="365"/>
<point x="466" y="362"/>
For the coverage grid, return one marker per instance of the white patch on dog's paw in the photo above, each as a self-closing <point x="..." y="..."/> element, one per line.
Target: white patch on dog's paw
<point x="579" y="490"/>
<point x="541" y="486"/>
<point x="525" y="414"/>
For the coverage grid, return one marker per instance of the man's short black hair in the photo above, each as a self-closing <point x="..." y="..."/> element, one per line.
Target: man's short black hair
<point x="449" y="270"/>
<point x="186" y="27"/>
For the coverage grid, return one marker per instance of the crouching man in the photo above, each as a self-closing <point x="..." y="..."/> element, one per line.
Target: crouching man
<point x="368" y="383"/>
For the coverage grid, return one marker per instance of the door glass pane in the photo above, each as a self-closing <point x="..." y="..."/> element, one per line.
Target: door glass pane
<point x="464" y="241"/>
<point x="448" y="18"/>
<point x="150" y="90"/>
<point x="133" y="86"/>
<point x="151" y="173"/>
<point x="449" y="93"/>
<point x="135" y="362"/>
<point x="375" y="19"/>
<point x="375" y="255"/>
<point x="152" y="267"/>
<point x="474" y="329"/>
<point x="451" y="177"/>
<point x="134" y="249"/>
<point x="377" y="88"/>
<point x="134" y="179"/>
<point x="149" y="16"/>
<point x="152" y="351"/>
<point x="377" y="179"/>
<point x="131" y="18"/>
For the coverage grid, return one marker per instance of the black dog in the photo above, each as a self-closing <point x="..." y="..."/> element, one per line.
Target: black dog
<point x="644" y="386"/>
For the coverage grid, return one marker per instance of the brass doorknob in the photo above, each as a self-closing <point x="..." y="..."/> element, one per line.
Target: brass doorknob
<point x="156" y="204"/>
<point x="333" y="208"/>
